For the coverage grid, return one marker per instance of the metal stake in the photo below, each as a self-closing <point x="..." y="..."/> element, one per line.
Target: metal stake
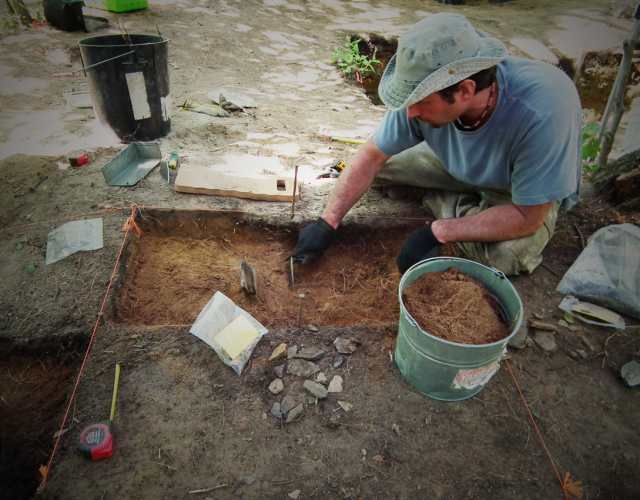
<point x="295" y="182"/>
<point x="300" y="308"/>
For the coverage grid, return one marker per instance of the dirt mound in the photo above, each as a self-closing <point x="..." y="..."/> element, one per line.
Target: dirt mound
<point x="452" y="306"/>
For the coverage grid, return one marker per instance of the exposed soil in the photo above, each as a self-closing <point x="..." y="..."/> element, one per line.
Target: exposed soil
<point x="170" y="279"/>
<point x="455" y="307"/>
<point x="183" y="420"/>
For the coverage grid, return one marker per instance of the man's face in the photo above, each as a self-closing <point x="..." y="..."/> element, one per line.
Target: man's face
<point x="435" y="111"/>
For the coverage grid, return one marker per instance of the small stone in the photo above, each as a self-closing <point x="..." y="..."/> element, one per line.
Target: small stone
<point x="275" y="410"/>
<point x="294" y="413"/>
<point x="294" y="494"/>
<point x="248" y="480"/>
<point x="338" y="362"/>
<point x="302" y="368"/>
<point x="542" y="326"/>
<point x="549" y="390"/>
<point x="60" y="433"/>
<point x="279" y="371"/>
<point x="311" y="400"/>
<point x="563" y="323"/>
<point x="312" y="328"/>
<point x="345" y="406"/>
<point x="396" y="429"/>
<point x="316" y="389"/>
<point x="344" y="346"/>
<point x="631" y="373"/>
<point x="287" y="403"/>
<point x="292" y="351"/>
<point x="573" y="355"/>
<point x="264" y="415"/>
<point x="321" y="377"/>
<point x="583" y="354"/>
<point x="336" y="384"/>
<point x="276" y="387"/>
<point x="310" y="353"/>
<point x="545" y="340"/>
<point x="574" y="328"/>
<point x="538" y="315"/>
<point x="587" y="343"/>
<point x="279" y="352"/>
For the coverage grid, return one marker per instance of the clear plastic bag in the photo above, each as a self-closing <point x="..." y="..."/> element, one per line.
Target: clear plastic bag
<point x="607" y="272"/>
<point x="72" y="237"/>
<point x="219" y="313"/>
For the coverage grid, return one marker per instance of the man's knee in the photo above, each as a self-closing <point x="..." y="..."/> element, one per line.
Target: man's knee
<point x="521" y="255"/>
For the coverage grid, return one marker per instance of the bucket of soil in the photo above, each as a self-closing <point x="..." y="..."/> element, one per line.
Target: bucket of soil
<point x="128" y="76"/>
<point x="456" y="318"/>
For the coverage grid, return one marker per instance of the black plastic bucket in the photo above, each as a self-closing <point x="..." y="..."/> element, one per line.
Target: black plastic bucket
<point x="130" y="91"/>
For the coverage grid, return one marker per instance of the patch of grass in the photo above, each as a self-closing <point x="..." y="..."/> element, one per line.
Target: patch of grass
<point x="349" y="59"/>
<point x="590" y="134"/>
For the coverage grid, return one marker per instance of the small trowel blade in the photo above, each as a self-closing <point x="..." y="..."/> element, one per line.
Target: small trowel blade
<point x="293" y="283"/>
<point x="164" y="171"/>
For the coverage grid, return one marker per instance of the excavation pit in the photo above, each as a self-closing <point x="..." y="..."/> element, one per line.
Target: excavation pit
<point x="184" y="257"/>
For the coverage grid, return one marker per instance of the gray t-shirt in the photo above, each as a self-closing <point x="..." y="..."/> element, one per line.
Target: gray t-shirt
<point x="531" y="145"/>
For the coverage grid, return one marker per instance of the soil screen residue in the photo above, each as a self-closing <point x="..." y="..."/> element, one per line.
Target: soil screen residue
<point x="453" y="306"/>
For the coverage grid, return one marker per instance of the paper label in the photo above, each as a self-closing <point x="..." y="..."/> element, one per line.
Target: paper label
<point x="237" y="336"/>
<point x="138" y="96"/>
<point x="165" y="104"/>
<point x="470" y="379"/>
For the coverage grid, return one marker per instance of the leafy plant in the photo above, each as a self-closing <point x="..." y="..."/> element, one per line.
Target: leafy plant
<point x="590" y="134"/>
<point x="349" y="58"/>
<point x="10" y="22"/>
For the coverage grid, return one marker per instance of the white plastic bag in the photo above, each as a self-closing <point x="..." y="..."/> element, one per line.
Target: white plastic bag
<point x="72" y="237"/>
<point x="607" y="272"/>
<point x="219" y="313"/>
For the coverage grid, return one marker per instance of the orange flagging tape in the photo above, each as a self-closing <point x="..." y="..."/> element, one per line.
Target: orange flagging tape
<point x="248" y="212"/>
<point x="569" y="487"/>
<point x="86" y="356"/>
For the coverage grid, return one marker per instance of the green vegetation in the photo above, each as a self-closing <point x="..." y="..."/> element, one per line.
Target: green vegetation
<point x="350" y="60"/>
<point x="590" y="133"/>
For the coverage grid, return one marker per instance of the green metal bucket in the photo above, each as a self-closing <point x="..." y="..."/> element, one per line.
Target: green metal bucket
<point x="444" y="370"/>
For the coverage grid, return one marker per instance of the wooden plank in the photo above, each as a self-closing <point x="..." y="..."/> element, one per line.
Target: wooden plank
<point x="199" y="180"/>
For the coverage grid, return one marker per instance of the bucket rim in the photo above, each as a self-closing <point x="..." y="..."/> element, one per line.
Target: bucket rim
<point x="86" y="42"/>
<point x="498" y="273"/>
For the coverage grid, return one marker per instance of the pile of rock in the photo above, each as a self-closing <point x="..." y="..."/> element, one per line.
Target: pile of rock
<point x="301" y="362"/>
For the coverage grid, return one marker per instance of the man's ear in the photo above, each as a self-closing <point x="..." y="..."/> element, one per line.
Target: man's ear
<point x="467" y="90"/>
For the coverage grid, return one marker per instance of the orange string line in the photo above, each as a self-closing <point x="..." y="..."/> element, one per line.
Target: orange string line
<point x="112" y="209"/>
<point x="566" y="495"/>
<point x="247" y="212"/>
<point x="86" y="356"/>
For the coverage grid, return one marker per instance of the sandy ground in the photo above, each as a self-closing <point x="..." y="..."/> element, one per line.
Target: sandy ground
<point x="184" y="421"/>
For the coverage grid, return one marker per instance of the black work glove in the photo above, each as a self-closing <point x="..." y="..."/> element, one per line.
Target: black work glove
<point x="313" y="241"/>
<point x="419" y="245"/>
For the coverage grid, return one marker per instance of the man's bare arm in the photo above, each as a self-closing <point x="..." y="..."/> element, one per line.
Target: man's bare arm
<point x="354" y="182"/>
<point x="499" y="223"/>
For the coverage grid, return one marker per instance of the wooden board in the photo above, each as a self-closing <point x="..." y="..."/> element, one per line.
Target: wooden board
<point x="199" y="180"/>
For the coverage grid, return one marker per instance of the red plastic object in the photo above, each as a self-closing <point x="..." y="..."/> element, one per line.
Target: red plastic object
<point x="96" y="440"/>
<point x="77" y="158"/>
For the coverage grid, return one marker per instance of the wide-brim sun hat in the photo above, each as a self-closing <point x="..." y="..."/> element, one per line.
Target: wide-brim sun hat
<point x="437" y="52"/>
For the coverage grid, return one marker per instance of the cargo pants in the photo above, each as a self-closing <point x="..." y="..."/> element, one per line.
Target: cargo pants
<point x="449" y="198"/>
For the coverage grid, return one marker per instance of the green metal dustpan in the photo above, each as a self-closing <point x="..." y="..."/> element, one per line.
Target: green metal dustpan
<point x="132" y="164"/>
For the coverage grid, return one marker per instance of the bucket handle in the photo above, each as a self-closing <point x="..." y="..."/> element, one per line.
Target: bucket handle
<point x="102" y="62"/>
<point x="499" y="273"/>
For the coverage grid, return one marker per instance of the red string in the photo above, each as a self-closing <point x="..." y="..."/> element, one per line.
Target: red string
<point x="566" y="495"/>
<point x="86" y="356"/>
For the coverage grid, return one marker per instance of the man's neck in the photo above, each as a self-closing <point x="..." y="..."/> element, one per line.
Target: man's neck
<point x="478" y="105"/>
